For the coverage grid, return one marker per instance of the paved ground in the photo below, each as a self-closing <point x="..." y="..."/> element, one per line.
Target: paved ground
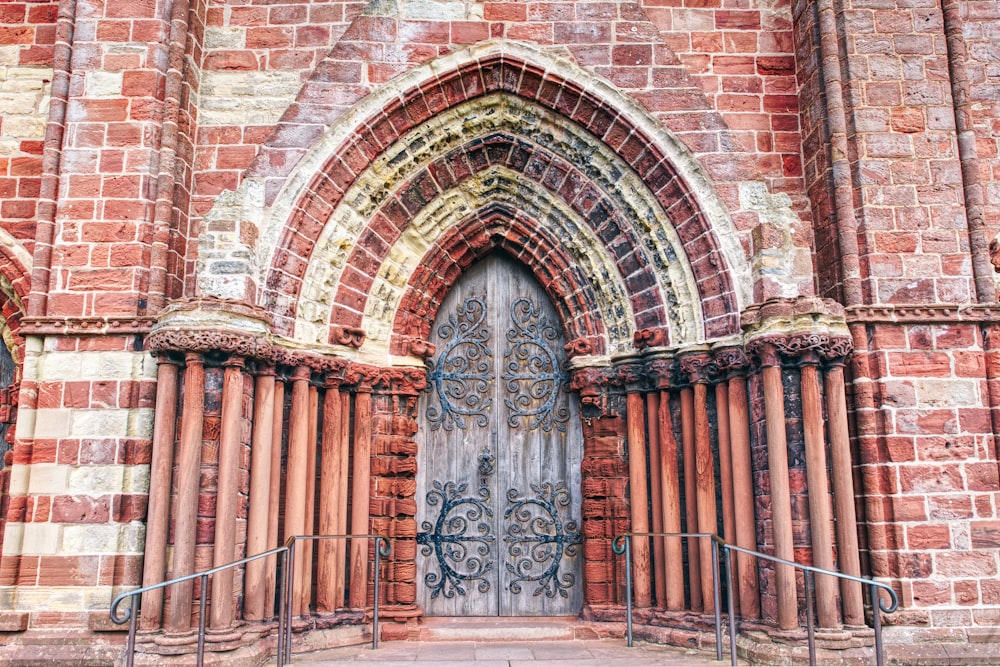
<point x="564" y="653"/>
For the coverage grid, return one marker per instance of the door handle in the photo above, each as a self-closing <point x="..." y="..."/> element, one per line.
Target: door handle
<point x="486" y="461"/>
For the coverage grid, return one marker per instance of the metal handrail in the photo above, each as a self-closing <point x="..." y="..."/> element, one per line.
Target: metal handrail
<point x="625" y="540"/>
<point x="286" y="552"/>
<point x="381" y="551"/>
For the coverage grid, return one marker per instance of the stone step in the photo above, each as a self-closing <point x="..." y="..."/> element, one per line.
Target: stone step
<point x="492" y="629"/>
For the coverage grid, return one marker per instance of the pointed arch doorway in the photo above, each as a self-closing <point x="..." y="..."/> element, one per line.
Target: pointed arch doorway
<point x="498" y="481"/>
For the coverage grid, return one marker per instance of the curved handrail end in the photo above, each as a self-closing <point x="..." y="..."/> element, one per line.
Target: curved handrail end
<point x="383" y="546"/>
<point x="113" y="612"/>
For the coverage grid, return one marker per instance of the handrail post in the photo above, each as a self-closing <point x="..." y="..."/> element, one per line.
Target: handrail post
<point x="810" y="621"/>
<point x="378" y="553"/>
<point x="288" y="600"/>
<point x="877" y="624"/>
<point x="201" y="620"/>
<point x="628" y="587"/>
<point x="130" y="646"/>
<point x="717" y="597"/>
<point x="281" y="612"/>
<point x="727" y="554"/>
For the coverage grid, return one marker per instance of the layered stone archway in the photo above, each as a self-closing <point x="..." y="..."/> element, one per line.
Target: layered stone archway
<point x="578" y="168"/>
<point x="337" y="273"/>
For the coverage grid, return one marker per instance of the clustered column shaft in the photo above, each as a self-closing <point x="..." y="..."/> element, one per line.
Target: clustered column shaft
<point x="261" y="460"/>
<point x="781" y="506"/>
<point x="296" y="471"/>
<point x="227" y="494"/>
<point x="709" y="485"/>
<point x="160" y="470"/>
<point x="188" y="479"/>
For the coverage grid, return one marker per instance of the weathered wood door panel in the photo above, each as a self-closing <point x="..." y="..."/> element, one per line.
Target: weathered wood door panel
<point x="498" y="485"/>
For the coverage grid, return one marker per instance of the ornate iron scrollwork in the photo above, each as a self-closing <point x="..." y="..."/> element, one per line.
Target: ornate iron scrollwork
<point x="460" y="539"/>
<point x="532" y="371"/>
<point x="463" y="375"/>
<point x="536" y="535"/>
<point x="487" y="461"/>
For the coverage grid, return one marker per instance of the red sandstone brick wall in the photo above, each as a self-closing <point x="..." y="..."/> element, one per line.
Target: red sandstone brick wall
<point x="739" y="86"/>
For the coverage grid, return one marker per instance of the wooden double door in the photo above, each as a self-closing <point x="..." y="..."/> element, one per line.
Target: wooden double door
<point x="498" y="483"/>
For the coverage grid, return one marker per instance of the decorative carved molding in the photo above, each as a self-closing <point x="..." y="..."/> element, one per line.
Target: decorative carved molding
<point x="838" y="348"/>
<point x="410" y="381"/>
<point x="418" y="347"/>
<point x="362" y="376"/>
<point x="347" y="336"/>
<point x="924" y="314"/>
<point x="579" y="347"/>
<point x="230" y="342"/>
<point x="85" y="326"/>
<point x="651" y="338"/>
<point x="797" y="344"/>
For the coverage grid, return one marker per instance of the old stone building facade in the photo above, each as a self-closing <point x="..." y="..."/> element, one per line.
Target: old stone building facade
<point x="499" y="281"/>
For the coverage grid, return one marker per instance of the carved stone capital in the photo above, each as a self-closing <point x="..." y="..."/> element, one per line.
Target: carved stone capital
<point x="202" y="341"/>
<point x="765" y="350"/>
<point x="800" y="344"/>
<point x="406" y="381"/>
<point x="632" y="377"/>
<point x="837" y="349"/>
<point x="792" y="327"/>
<point x="212" y="325"/>
<point x="700" y="367"/>
<point x="319" y="363"/>
<point x="593" y="385"/>
<point x="362" y="376"/>
<point x="732" y="360"/>
<point x="662" y="373"/>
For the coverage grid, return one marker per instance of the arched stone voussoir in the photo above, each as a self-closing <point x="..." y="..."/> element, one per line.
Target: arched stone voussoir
<point x="500" y="227"/>
<point x="370" y="136"/>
